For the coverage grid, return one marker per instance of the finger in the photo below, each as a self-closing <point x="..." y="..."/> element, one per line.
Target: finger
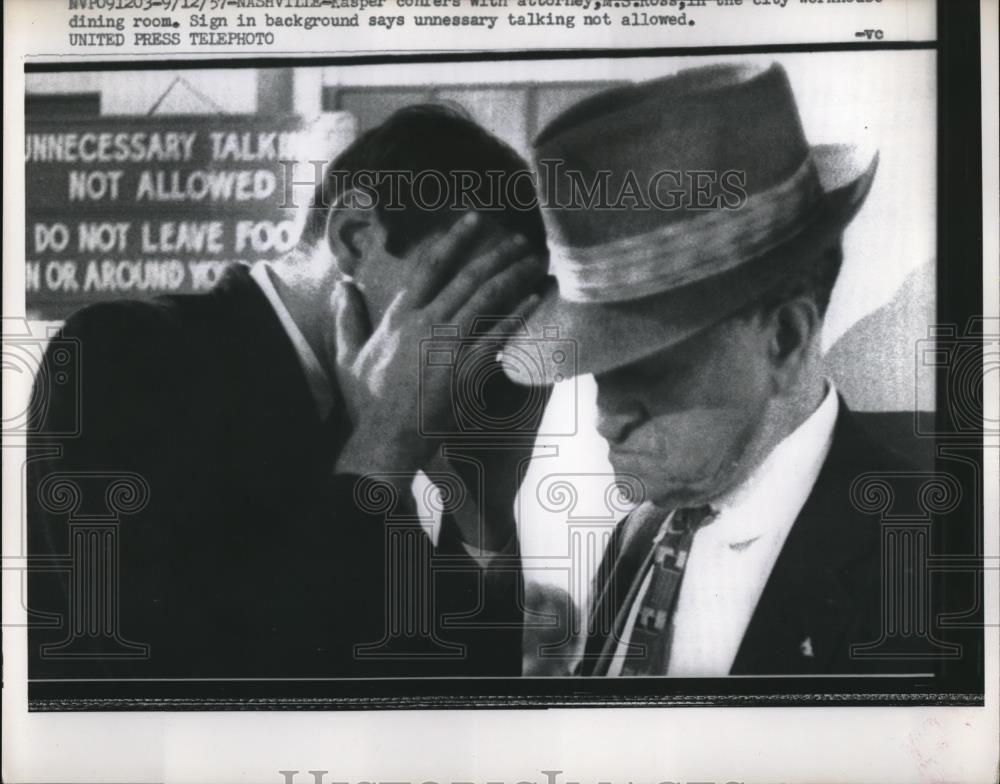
<point x="396" y="308"/>
<point x="514" y="323"/>
<point x="517" y="322"/>
<point x="494" y="296"/>
<point x="509" y="326"/>
<point x="352" y="327"/>
<point x="477" y="273"/>
<point x="439" y="261"/>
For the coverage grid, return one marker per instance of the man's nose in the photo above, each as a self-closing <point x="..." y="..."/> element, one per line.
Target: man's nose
<point x="618" y="413"/>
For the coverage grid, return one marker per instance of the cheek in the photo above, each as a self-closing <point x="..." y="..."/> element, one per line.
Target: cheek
<point x="736" y="374"/>
<point x="733" y="381"/>
<point x="697" y="436"/>
<point x="379" y="282"/>
<point x="695" y="452"/>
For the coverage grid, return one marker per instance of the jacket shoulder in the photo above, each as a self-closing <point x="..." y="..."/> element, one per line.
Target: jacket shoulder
<point x="863" y="442"/>
<point x="121" y="322"/>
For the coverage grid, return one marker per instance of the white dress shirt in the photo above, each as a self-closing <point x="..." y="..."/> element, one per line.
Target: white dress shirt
<point x="322" y="391"/>
<point x="732" y="557"/>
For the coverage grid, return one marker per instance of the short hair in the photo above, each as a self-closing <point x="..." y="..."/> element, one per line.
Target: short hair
<point x="815" y="280"/>
<point x="434" y="138"/>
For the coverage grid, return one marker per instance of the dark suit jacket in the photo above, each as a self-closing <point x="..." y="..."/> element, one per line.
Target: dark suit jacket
<point x="824" y="587"/>
<point x="249" y="558"/>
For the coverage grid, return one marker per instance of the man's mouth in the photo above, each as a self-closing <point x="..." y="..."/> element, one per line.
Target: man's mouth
<point x="630" y="456"/>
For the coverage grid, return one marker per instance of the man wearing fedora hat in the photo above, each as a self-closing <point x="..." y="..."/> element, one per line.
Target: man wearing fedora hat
<point x="701" y="324"/>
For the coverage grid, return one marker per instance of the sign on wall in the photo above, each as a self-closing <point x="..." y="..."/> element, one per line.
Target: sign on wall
<point x="141" y="206"/>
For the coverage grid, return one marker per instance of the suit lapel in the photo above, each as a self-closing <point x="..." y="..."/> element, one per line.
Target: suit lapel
<point x="803" y="620"/>
<point x="270" y="395"/>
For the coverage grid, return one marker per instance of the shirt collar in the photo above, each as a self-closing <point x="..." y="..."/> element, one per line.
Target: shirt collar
<point x="319" y="382"/>
<point x="770" y="499"/>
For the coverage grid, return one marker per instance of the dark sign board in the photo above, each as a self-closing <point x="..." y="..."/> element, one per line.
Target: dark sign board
<point x="140" y="206"/>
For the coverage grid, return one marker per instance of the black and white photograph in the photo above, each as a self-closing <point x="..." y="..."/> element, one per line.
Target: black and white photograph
<point x="584" y="378"/>
<point x="596" y="379"/>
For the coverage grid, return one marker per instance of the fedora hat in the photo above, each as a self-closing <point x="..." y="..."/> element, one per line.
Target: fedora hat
<point x="671" y="204"/>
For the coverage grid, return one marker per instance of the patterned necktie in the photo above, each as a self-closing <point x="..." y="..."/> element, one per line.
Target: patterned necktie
<point x="652" y="634"/>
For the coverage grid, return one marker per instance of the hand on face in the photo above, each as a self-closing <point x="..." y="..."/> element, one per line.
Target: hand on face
<point x="392" y="399"/>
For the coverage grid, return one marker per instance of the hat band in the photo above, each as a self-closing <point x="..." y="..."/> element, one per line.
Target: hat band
<point x="687" y="251"/>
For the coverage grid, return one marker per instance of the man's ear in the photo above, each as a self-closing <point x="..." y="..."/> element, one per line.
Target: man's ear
<point x="794" y="328"/>
<point x="353" y="232"/>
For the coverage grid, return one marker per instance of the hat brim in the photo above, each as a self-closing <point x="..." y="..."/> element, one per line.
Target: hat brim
<point x="606" y="336"/>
